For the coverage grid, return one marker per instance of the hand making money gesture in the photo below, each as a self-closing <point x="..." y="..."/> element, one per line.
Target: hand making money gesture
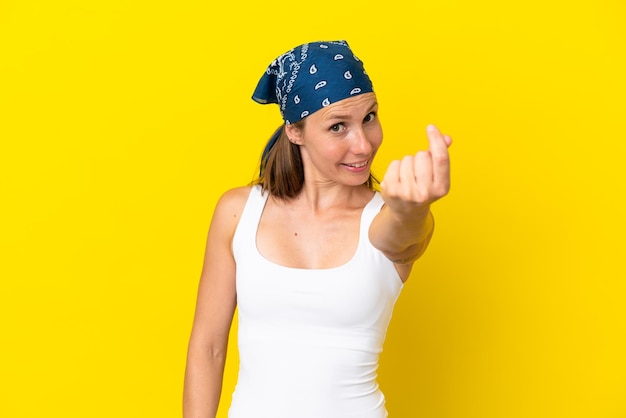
<point x="410" y="185"/>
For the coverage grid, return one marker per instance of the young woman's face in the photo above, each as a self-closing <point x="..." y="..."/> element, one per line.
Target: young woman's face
<point x="339" y="142"/>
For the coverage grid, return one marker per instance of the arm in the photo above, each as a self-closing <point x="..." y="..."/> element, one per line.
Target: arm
<point x="215" y="308"/>
<point x="404" y="226"/>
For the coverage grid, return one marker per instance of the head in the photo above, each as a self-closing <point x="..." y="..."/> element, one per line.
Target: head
<point x="307" y="83"/>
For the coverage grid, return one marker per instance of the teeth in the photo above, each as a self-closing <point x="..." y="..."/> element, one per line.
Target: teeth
<point x="358" y="165"/>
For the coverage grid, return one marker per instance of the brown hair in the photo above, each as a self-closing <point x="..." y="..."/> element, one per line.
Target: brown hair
<point x="282" y="171"/>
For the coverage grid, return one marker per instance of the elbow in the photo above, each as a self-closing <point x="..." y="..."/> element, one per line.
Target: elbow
<point x="217" y="353"/>
<point x="212" y="349"/>
<point x="412" y="253"/>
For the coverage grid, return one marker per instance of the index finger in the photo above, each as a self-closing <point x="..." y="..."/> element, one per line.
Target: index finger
<point x="437" y="141"/>
<point x="441" y="160"/>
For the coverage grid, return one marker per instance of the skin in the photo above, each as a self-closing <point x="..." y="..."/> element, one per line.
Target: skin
<point x="319" y="228"/>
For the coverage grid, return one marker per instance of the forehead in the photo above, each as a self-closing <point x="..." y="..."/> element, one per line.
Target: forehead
<point x="356" y="105"/>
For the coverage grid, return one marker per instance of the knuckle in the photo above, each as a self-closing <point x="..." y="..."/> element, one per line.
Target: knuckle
<point x="441" y="190"/>
<point x="441" y="158"/>
<point x="407" y="159"/>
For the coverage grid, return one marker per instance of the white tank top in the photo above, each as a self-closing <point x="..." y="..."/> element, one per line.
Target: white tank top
<point x="309" y="339"/>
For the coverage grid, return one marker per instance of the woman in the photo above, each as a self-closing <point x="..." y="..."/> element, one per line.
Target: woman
<point x="311" y="254"/>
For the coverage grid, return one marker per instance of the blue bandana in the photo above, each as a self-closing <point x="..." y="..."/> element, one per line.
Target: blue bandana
<point x="312" y="76"/>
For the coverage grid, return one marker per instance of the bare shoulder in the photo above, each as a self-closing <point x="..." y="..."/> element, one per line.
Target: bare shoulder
<point x="234" y="200"/>
<point x="229" y="208"/>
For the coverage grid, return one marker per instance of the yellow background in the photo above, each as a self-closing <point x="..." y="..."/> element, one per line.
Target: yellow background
<point x="122" y="122"/>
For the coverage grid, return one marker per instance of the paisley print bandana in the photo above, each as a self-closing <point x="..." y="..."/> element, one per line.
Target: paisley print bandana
<point x="312" y="76"/>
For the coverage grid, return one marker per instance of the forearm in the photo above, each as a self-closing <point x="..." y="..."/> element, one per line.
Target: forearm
<point x="203" y="382"/>
<point x="403" y="237"/>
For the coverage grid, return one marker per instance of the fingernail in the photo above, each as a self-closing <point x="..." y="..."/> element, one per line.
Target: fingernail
<point x="431" y="128"/>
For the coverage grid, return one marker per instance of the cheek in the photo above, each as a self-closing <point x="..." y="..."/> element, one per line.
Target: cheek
<point x="324" y="148"/>
<point x="376" y="136"/>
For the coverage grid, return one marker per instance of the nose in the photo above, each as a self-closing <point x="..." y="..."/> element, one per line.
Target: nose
<point x="361" y="144"/>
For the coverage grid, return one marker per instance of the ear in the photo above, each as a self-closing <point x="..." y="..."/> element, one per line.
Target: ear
<point x="294" y="134"/>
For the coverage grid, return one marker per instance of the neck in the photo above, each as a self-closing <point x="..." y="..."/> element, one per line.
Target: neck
<point x="319" y="196"/>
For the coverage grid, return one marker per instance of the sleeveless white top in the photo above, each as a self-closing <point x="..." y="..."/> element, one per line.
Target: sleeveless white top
<point x="309" y="339"/>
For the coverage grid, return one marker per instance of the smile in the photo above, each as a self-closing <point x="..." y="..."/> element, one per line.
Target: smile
<point x="358" y="165"/>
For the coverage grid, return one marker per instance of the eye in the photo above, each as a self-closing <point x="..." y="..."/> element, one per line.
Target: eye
<point x="370" y="117"/>
<point x="336" y="127"/>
